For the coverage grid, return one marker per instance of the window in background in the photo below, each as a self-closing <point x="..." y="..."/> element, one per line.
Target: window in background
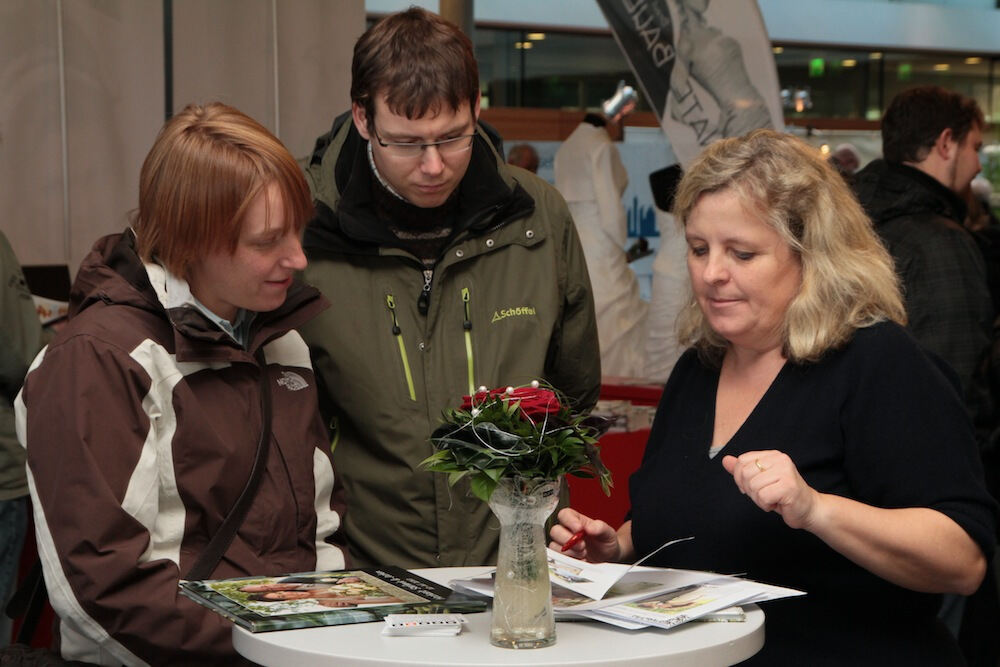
<point x="849" y="84"/>
<point x="969" y="75"/>
<point x="555" y="70"/>
<point x="824" y="83"/>
<point x="577" y="70"/>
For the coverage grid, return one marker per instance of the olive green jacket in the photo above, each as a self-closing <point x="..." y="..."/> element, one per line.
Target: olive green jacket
<point x="20" y="340"/>
<point x="509" y="301"/>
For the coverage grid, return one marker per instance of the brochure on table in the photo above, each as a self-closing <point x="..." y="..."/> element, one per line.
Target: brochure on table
<point x="638" y="596"/>
<point x="688" y="604"/>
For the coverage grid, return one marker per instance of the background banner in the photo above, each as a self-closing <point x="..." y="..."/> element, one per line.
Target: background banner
<point x="705" y="67"/>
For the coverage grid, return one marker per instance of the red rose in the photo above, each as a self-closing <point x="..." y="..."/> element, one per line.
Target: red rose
<point x="534" y="402"/>
<point x="469" y="402"/>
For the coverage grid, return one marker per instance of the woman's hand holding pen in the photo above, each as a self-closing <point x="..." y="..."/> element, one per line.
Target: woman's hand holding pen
<point x="584" y="538"/>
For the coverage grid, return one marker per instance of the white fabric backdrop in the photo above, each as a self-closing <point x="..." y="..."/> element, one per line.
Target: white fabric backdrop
<point x="57" y="197"/>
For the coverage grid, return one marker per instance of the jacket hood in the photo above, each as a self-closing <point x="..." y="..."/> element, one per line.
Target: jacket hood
<point x="489" y="194"/>
<point x="888" y="190"/>
<point x="112" y="273"/>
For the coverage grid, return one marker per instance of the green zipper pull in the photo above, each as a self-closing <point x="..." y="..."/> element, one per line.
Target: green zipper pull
<point x="467" y="325"/>
<point x="390" y="301"/>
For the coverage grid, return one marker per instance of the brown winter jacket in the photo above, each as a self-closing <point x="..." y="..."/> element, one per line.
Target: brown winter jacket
<point x="141" y="427"/>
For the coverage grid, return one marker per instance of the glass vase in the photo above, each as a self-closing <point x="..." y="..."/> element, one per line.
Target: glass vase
<point x="522" y="595"/>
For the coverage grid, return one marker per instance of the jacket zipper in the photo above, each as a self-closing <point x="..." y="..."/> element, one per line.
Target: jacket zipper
<point x="467" y="325"/>
<point x="424" y="300"/>
<point x="390" y="301"/>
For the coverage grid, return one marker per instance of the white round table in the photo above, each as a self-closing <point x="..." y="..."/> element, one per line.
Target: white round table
<point x="577" y="642"/>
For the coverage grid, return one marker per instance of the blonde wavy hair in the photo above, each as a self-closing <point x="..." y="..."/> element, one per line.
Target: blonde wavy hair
<point x="848" y="278"/>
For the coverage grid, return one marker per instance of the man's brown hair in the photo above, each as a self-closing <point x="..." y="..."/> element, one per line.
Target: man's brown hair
<point x="207" y="165"/>
<point x="418" y="61"/>
<point x="917" y="116"/>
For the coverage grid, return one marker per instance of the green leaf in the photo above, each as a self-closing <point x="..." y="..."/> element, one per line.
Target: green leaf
<point x="482" y="486"/>
<point x="436" y="457"/>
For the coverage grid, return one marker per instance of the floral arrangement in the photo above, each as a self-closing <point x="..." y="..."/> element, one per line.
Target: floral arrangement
<point x="528" y="432"/>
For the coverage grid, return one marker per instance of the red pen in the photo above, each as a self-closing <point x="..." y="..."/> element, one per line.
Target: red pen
<point x="574" y="538"/>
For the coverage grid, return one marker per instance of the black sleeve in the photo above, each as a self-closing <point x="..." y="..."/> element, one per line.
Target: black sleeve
<point x="909" y="440"/>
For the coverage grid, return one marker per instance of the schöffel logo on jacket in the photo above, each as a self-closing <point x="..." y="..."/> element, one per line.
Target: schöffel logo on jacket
<point x="292" y="381"/>
<point x="520" y="311"/>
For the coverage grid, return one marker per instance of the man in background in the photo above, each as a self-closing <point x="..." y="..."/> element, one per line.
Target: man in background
<point x="846" y="159"/>
<point x="448" y="271"/>
<point x="931" y="139"/>
<point x="590" y="175"/>
<point x="20" y="340"/>
<point x="524" y="156"/>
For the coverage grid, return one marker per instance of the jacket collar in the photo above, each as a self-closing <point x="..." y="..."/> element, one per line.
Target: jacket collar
<point x="889" y="190"/>
<point x="345" y="220"/>
<point x="114" y="274"/>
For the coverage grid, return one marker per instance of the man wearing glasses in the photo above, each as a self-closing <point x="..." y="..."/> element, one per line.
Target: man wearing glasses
<point x="448" y="270"/>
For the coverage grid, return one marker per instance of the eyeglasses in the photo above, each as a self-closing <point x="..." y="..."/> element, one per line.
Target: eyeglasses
<point x="414" y="150"/>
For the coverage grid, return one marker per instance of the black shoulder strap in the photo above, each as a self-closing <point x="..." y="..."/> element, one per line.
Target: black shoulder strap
<point x="27" y="603"/>
<point x="216" y="548"/>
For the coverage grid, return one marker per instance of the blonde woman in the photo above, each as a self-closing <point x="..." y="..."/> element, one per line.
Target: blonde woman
<point x="805" y="439"/>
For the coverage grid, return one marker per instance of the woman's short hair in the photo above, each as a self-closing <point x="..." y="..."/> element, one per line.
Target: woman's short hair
<point x="848" y="279"/>
<point x="418" y="61"/>
<point x="207" y="165"/>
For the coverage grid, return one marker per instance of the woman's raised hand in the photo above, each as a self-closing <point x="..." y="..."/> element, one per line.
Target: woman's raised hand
<point x="773" y="482"/>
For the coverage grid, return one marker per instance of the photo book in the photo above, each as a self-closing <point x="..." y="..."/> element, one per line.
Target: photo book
<point x="315" y="599"/>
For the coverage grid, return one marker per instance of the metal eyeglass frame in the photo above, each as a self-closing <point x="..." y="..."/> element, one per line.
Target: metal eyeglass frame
<point x="414" y="150"/>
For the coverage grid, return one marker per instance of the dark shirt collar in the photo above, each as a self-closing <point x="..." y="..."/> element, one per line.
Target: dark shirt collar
<point x="954" y="202"/>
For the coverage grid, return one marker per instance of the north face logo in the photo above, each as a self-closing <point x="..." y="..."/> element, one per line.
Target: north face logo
<point x="520" y="311"/>
<point x="292" y="381"/>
